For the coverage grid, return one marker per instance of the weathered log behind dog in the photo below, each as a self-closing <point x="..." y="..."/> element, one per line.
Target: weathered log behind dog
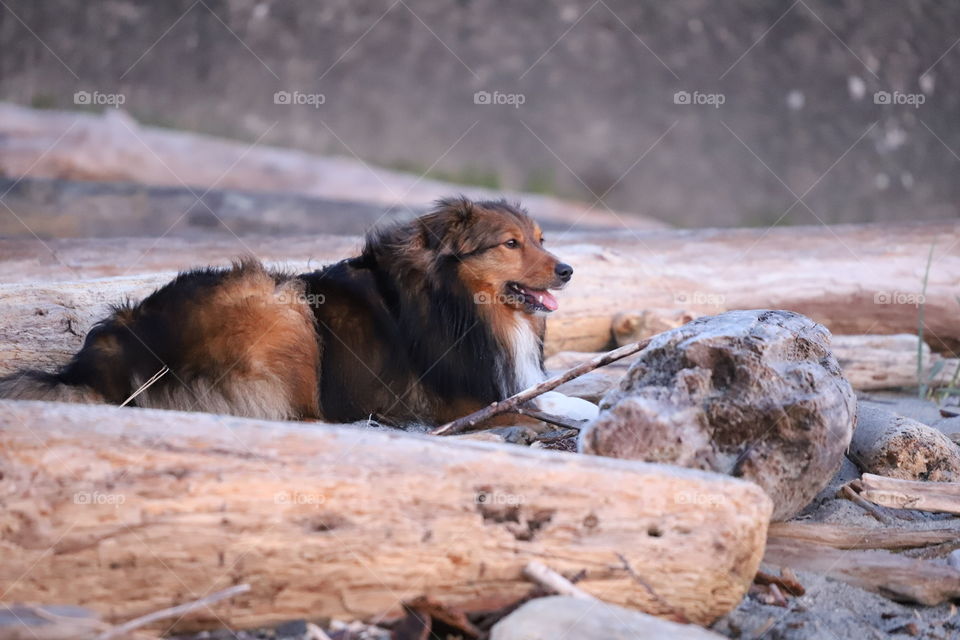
<point x="805" y="269"/>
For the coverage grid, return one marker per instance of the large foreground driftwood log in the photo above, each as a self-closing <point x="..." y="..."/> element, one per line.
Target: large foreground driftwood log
<point x="888" y="444"/>
<point x="127" y="511"/>
<point x="755" y="394"/>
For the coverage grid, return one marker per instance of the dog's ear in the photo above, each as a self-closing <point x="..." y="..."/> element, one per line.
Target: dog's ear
<point x="442" y="230"/>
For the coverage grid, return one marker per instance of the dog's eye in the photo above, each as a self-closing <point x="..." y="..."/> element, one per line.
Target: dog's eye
<point x="513" y="244"/>
<point x="542" y="240"/>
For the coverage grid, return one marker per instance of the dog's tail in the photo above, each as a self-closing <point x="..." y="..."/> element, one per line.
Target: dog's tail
<point x="40" y="385"/>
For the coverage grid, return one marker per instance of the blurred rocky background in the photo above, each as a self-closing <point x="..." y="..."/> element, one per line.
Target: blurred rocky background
<point x="692" y="112"/>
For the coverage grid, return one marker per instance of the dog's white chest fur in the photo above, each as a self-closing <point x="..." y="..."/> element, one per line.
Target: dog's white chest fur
<point x="528" y="371"/>
<point x="525" y="350"/>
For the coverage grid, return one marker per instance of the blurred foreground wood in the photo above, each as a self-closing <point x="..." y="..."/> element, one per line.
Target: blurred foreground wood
<point x="127" y="511"/>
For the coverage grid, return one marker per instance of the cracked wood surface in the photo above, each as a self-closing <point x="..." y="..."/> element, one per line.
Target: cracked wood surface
<point x="125" y="511"/>
<point x="854" y="279"/>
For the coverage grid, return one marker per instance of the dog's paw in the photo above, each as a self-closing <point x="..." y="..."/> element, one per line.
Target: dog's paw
<point x="567" y="406"/>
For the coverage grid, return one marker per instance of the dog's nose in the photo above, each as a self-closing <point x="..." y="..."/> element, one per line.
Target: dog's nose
<point x="563" y="270"/>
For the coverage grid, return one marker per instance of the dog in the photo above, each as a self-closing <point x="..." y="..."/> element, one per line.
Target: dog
<point x="437" y="317"/>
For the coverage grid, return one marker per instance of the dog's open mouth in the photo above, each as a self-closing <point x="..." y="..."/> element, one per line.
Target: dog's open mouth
<point x="534" y="299"/>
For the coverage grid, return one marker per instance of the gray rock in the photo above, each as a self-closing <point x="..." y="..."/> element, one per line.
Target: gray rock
<point x="754" y="394"/>
<point x="558" y="617"/>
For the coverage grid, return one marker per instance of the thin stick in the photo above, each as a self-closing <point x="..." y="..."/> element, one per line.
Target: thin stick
<point x="146" y="385"/>
<point x="846" y="491"/>
<point x="550" y="418"/>
<point x="172" y="612"/>
<point x="553" y="581"/>
<point x="467" y="423"/>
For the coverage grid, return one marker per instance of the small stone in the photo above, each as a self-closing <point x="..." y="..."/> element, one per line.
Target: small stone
<point x="292" y="629"/>
<point x="575" y="618"/>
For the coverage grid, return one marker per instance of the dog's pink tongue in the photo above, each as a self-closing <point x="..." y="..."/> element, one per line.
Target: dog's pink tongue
<point x="549" y="301"/>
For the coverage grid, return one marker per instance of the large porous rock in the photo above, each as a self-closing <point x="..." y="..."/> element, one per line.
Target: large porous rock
<point x="558" y="617"/>
<point x="754" y="394"/>
<point x="892" y="445"/>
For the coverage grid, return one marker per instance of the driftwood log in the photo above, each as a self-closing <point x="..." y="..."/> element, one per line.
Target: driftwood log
<point x="888" y="362"/>
<point x="805" y="269"/>
<point x="840" y="536"/>
<point x="888" y="444"/>
<point x="112" y="147"/>
<point x="755" y="394"/>
<point x="941" y="497"/>
<point x="127" y="511"/>
<point x="894" y="576"/>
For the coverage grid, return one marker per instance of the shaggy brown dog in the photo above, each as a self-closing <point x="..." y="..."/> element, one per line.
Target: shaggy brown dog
<point x="436" y="318"/>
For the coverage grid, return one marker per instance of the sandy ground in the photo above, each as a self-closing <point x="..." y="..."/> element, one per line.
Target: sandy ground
<point x="832" y="610"/>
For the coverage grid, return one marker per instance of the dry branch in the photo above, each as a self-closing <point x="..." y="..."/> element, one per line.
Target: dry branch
<point x="139" y="509"/>
<point x="553" y="582"/>
<point x="940" y="497"/>
<point x="477" y="418"/>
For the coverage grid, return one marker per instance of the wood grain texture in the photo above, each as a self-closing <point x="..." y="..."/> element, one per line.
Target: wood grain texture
<point x="803" y="269"/>
<point x="126" y="511"/>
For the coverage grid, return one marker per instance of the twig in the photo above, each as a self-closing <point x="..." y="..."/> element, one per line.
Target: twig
<point x="146" y="385"/>
<point x="677" y="615"/>
<point x="786" y="580"/>
<point x="467" y="423"/>
<point x="846" y="491"/>
<point x="551" y="418"/>
<point x="172" y="612"/>
<point x="553" y="581"/>
<point x="550" y="439"/>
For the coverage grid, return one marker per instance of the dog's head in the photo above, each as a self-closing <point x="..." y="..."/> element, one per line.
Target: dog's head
<point x="497" y="251"/>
